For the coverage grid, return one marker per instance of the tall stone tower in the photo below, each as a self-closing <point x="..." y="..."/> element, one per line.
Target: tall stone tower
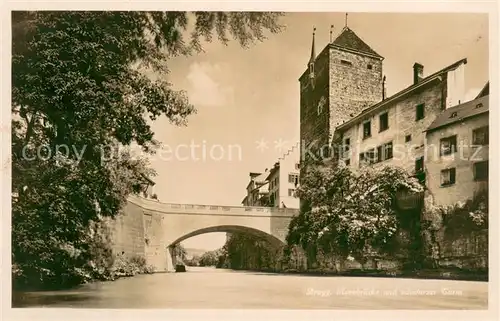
<point x="339" y="83"/>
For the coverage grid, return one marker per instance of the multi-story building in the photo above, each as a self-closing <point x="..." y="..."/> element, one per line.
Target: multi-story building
<point x="343" y="105"/>
<point x="257" y="190"/>
<point x="391" y="132"/>
<point x="283" y="179"/>
<point x="276" y="187"/>
<point x="352" y="108"/>
<point x="457" y="152"/>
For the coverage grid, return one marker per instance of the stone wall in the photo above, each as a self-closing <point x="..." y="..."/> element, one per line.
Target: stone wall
<point x="353" y="87"/>
<point x="314" y="122"/>
<point x="280" y="220"/>
<point x="155" y="247"/>
<point x="127" y="232"/>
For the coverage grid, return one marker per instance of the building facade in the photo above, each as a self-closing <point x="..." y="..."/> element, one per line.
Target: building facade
<point x="283" y="180"/>
<point x="343" y="106"/>
<point x="276" y="187"/>
<point x="457" y="151"/>
<point x="391" y="132"/>
<point x="257" y="190"/>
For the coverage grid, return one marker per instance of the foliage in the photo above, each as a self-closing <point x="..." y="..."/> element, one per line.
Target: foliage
<point x="211" y="258"/>
<point x="82" y="89"/>
<point x="194" y="261"/>
<point x="248" y="252"/>
<point x="348" y="212"/>
<point x="465" y="217"/>
<point x="124" y="266"/>
<point x="179" y="251"/>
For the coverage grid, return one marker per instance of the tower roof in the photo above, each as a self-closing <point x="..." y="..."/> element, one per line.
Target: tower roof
<point x="349" y="40"/>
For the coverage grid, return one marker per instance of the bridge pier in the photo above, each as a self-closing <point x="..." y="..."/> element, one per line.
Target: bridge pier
<point x="171" y="260"/>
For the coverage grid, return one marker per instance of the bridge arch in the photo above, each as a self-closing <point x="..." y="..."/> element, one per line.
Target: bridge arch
<point x="273" y="240"/>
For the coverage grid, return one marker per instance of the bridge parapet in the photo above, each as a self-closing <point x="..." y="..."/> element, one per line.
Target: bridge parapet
<point x="167" y="208"/>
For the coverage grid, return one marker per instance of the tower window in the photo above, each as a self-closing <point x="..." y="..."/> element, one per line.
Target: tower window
<point x="346" y="63"/>
<point x="419" y="112"/>
<point x="407" y="138"/>
<point x="453" y="114"/>
<point x="369" y="66"/>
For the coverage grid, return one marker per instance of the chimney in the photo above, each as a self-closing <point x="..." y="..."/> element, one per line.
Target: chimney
<point x="383" y="88"/>
<point x="418" y="72"/>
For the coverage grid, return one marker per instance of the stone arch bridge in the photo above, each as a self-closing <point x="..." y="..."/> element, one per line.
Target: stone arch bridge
<point x="149" y="228"/>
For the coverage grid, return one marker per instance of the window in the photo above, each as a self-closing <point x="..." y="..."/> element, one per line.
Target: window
<point x="347" y="145"/>
<point x="384" y="152"/>
<point x="368" y="156"/>
<point x="479" y="105"/>
<point x="407" y="138"/>
<point x="292" y="178"/>
<point x="367" y="130"/>
<point x="297" y="166"/>
<point x="347" y="162"/>
<point x="419" y="164"/>
<point x="346" y="63"/>
<point x="453" y="114"/>
<point x="291" y="192"/>
<point x="448" y="145"/>
<point x="311" y="68"/>
<point x="369" y="66"/>
<point x="420" y="112"/>
<point x="384" y="122"/>
<point x="448" y="177"/>
<point x="480" y="136"/>
<point x="387" y="151"/>
<point x="481" y="171"/>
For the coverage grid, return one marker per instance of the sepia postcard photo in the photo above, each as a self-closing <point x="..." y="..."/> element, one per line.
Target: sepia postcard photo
<point x="231" y="159"/>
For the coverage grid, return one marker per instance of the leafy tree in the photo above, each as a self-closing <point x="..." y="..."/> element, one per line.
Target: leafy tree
<point x="180" y="252"/>
<point x="348" y="212"/>
<point x="247" y="252"/>
<point x="209" y="258"/>
<point x="80" y="89"/>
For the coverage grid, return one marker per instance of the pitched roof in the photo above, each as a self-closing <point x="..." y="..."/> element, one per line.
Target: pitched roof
<point x="348" y="39"/>
<point x="460" y="113"/>
<point x="402" y="93"/>
<point x="485" y="91"/>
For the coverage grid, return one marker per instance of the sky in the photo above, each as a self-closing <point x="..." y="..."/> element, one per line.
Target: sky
<point x="246" y="96"/>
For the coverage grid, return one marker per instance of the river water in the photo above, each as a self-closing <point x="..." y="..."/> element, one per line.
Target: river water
<point x="208" y="288"/>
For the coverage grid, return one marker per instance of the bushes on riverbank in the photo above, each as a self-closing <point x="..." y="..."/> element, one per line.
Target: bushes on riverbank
<point x="124" y="267"/>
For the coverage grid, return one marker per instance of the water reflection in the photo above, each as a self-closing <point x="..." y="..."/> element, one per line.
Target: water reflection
<point x="207" y="288"/>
